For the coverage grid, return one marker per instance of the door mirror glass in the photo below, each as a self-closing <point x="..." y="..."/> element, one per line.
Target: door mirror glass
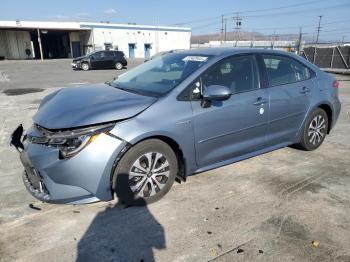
<point x="216" y="92"/>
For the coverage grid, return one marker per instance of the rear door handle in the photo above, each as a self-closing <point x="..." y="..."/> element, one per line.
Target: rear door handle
<point x="305" y="90"/>
<point x="260" y="101"/>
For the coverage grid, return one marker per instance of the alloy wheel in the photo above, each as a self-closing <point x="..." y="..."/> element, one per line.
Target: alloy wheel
<point x="118" y="66"/>
<point x="149" y="174"/>
<point x="317" y="130"/>
<point x="85" y="66"/>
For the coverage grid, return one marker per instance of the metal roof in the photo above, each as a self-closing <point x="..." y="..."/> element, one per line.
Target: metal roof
<point x="83" y="26"/>
<point x="40" y="25"/>
<point x="134" y="27"/>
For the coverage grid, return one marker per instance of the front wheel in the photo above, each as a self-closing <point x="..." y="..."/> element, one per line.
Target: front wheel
<point x="145" y="173"/>
<point x="119" y="66"/>
<point x="315" y="130"/>
<point x="85" y="66"/>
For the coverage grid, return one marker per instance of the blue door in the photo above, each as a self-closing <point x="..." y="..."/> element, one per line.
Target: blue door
<point x="76" y="49"/>
<point x="236" y="126"/>
<point x="290" y="91"/>
<point x="131" y="50"/>
<point x="147" y="51"/>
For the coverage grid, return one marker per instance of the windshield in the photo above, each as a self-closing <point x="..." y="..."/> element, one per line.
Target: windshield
<point x="161" y="74"/>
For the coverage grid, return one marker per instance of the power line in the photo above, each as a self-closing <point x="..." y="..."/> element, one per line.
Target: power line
<point x="206" y="25"/>
<point x="344" y="31"/>
<point x="296" y="26"/>
<point x="258" y="10"/>
<point x="282" y="7"/>
<point x="296" y="12"/>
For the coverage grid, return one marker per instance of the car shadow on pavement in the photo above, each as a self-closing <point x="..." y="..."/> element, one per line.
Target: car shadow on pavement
<point x="122" y="233"/>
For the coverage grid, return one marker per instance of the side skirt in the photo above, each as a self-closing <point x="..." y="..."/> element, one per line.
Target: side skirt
<point x="240" y="158"/>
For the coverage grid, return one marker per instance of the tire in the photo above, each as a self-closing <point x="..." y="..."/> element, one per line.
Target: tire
<point x="144" y="189"/>
<point x="85" y="66"/>
<point x="314" y="130"/>
<point x="119" y="66"/>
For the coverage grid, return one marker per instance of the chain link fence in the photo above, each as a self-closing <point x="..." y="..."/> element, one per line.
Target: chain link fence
<point x="331" y="57"/>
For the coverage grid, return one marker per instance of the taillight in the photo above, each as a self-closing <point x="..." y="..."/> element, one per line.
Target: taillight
<point x="336" y="84"/>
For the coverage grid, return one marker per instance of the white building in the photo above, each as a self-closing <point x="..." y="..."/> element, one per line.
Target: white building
<point x="28" y="40"/>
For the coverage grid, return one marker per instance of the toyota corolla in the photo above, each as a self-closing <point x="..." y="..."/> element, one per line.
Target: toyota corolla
<point x="171" y="117"/>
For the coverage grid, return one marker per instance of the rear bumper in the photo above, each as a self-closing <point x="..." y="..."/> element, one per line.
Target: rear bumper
<point x="84" y="178"/>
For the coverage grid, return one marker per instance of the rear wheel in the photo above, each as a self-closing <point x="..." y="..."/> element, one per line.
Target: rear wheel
<point x="315" y="130"/>
<point x="145" y="173"/>
<point x="85" y="66"/>
<point x="119" y="66"/>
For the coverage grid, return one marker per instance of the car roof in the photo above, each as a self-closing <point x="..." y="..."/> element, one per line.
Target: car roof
<point x="227" y="51"/>
<point x="218" y="51"/>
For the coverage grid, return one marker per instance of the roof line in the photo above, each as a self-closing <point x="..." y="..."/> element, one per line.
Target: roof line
<point x="134" y="27"/>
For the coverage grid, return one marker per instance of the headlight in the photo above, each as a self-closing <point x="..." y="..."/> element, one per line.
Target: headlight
<point x="72" y="146"/>
<point x="71" y="142"/>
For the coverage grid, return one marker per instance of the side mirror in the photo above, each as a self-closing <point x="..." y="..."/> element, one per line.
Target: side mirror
<point x="92" y="57"/>
<point x="215" y="92"/>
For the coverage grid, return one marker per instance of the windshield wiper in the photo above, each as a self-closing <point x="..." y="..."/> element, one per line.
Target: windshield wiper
<point x="121" y="88"/>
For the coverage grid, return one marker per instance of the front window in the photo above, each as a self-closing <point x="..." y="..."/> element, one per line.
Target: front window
<point x="160" y="75"/>
<point x="238" y="73"/>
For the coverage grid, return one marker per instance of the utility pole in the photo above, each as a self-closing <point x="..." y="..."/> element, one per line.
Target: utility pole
<point x="273" y="39"/>
<point x="225" y="30"/>
<point x="222" y="28"/>
<point x="318" y="28"/>
<point x="238" y="24"/>
<point x="299" y="40"/>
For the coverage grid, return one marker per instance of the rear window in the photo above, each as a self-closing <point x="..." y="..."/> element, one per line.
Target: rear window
<point x="118" y="53"/>
<point x="283" y="70"/>
<point x="109" y="54"/>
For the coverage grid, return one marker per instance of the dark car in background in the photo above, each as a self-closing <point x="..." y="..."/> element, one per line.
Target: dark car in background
<point x="101" y="59"/>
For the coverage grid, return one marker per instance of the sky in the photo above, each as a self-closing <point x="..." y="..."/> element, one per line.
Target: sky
<point x="203" y="16"/>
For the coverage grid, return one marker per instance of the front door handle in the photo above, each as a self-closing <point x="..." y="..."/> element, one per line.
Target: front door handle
<point x="305" y="90"/>
<point x="260" y="101"/>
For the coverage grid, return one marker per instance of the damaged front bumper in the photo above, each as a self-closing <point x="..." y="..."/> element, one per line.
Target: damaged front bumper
<point x="76" y="65"/>
<point x="83" y="178"/>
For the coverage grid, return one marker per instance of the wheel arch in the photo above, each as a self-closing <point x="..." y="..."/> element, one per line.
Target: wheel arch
<point x="328" y="109"/>
<point x="182" y="174"/>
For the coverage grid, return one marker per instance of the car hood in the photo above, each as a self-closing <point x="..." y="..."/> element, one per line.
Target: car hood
<point x="89" y="105"/>
<point x="79" y="58"/>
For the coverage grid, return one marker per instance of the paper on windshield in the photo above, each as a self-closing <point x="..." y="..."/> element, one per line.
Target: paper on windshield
<point x="195" y="58"/>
